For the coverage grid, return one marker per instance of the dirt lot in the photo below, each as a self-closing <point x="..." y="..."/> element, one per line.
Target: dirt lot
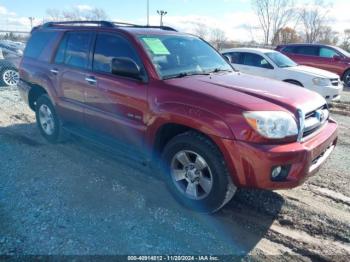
<point x="74" y="199"/>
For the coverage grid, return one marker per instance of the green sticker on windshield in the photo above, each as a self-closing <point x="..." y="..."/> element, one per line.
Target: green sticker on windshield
<point x="156" y="45"/>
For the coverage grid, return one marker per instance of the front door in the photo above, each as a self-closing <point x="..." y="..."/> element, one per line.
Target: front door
<point x="255" y="64"/>
<point x="115" y="105"/>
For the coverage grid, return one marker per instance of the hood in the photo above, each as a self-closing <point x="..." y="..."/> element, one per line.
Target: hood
<point x="251" y="92"/>
<point x="316" y="72"/>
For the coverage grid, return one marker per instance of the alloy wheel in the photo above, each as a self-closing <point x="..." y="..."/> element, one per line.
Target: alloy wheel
<point x="10" y="77"/>
<point x="46" y="120"/>
<point x="191" y="174"/>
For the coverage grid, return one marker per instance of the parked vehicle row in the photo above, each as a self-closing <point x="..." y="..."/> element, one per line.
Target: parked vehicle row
<point x="273" y="64"/>
<point x="331" y="58"/>
<point x="10" y="56"/>
<point x="176" y="99"/>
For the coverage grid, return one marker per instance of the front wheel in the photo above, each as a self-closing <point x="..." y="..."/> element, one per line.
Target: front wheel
<point x="346" y="78"/>
<point x="9" y="77"/>
<point x="196" y="173"/>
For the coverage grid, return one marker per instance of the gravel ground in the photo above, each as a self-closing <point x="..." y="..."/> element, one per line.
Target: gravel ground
<point x="75" y="199"/>
<point x="345" y="97"/>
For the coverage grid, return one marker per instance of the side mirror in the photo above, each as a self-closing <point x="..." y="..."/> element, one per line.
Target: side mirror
<point x="228" y="58"/>
<point x="337" y="57"/>
<point x="123" y="66"/>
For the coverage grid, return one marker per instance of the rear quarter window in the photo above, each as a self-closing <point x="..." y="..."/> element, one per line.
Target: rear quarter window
<point x="37" y="43"/>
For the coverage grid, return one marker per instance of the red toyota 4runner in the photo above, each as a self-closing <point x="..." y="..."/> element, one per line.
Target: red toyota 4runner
<point x="325" y="57"/>
<point x="176" y="99"/>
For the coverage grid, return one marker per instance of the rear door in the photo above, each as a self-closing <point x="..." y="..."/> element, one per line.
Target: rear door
<point x="116" y="105"/>
<point x="307" y="55"/>
<point x="70" y="69"/>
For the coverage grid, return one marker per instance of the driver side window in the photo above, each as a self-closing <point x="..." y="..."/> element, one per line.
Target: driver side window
<point x="327" y="52"/>
<point x="255" y="60"/>
<point x="110" y="46"/>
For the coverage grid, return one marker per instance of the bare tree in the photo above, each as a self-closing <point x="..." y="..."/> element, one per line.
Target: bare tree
<point x="314" y="18"/>
<point x="200" y="30"/>
<point x="76" y="14"/>
<point x="53" y="14"/>
<point x="285" y="36"/>
<point x="218" y="38"/>
<point x="328" y="36"/>
<point x="346" y="40"/>
<point x="97" y="14"/>
<point x="273" y="15"/>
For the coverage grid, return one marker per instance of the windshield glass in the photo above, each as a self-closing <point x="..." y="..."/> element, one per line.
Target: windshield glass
<point x="178" y="56"/>
<point x="342" y="51"/>
<point x="280" y="59"/>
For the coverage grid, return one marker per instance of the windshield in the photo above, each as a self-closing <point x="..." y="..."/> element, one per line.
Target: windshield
<point x="179" y="56"/>
<point x="280" y="59"/>
<point x="342" y="51"/>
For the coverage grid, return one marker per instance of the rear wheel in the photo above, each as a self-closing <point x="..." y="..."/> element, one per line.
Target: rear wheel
<point x="346" y="78"/>
<point x="9" y="77"/>
<point x="47" y="119"/>
<point x="196" y="173"/>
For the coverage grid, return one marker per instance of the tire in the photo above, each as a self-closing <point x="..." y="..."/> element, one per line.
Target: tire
<point x="294" y="82"/>
<point x="204" y="163"/>
<point x="346" y="78"/>
<point x="9" y="76"/>
<point x="48" y="122"/>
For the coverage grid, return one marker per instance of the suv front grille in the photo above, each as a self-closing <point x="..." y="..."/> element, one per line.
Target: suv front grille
<point x="314" y="120"/>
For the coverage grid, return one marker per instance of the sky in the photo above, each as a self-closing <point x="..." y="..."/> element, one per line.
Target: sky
<point x="235" y="17"/>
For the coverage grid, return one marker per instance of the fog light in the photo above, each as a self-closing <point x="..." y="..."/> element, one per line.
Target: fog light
<point x="280" y="173"/>
<point x="276" y="172"/>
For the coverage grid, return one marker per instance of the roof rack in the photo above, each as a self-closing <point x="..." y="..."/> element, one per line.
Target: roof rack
<point x="102" y="24"/>
<point x="98" y="23"/>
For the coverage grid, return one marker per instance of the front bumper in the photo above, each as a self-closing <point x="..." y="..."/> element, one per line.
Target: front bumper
<point x="251" y="164"/>
<point x="330" y="93"/>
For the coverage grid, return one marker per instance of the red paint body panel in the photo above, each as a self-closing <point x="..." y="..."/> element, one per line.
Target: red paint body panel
<point x="338" y="66"/>
<point x="135" y="111"/>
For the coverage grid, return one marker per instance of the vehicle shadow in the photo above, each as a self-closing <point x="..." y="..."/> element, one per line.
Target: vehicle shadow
<point x="235" y="230"/>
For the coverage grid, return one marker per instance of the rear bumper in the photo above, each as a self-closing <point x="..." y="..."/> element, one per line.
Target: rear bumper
<point x="251" y="164"/>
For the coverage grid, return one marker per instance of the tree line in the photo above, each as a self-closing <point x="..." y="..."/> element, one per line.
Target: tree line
<point x="280" y="21"/>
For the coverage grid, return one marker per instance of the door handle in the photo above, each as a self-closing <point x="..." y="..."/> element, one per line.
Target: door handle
<point x="54" y="71"/>
<point x="91" y="80"/>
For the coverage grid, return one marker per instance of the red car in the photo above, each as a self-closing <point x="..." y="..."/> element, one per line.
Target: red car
<point x="174" y="98"/>
<point x="331" y="58"/>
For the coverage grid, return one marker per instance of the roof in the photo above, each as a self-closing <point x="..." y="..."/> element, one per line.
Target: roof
<point x="304" y="44"/>
<point x="250" y="50"/>
<point x="95" y="25"/>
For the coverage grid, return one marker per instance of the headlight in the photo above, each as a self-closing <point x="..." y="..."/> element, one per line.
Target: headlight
<point x="321" y="81"/>
<point x="272" y="124"/>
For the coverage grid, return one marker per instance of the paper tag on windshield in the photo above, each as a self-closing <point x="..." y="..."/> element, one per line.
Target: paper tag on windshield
<point x="156" y="45"/>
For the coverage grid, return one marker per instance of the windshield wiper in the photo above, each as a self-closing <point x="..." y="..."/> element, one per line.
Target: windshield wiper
<point x="218" y="70"/>
<point x="181" y="75"/>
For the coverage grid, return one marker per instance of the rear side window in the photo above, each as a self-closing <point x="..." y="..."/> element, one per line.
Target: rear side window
<point x="74" y="50"/>
<point x="307" y="50"/>
<point x="112" y="46"/>
<point x="38" y="42"/>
